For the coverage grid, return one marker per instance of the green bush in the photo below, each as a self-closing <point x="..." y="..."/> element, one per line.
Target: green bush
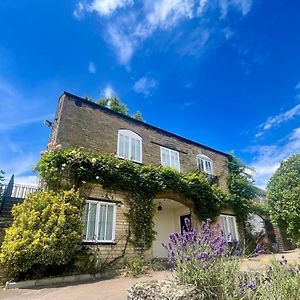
<point x="205" y="259"/>
<point x="283" y="192"/>
<point x="135" y="266"/>
<point x="46" y="233"/>
<point x="279" y="281"/>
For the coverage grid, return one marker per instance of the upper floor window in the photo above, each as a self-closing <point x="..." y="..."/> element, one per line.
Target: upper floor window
<point x="99" y="220"/>
<point x="129" y="145"/>
<point x="170" y="158"/>
<point x="205" y="164"/>
<point x="229" y="226"/>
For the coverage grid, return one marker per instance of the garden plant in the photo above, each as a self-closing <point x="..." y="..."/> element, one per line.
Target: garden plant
<point x="208" y="261"/>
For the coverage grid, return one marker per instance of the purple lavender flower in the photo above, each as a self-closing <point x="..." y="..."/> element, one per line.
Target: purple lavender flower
<point x="202" y="256"/>
<point x="251" y="286"/>
<point x="205" y="246"/>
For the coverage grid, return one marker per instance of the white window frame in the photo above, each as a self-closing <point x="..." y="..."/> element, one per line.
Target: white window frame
<point x="99" y="203"/>
<point x="131" y="136"/>
<point x="204" y="159"/>
<point x="169" y="164"/>
<point x="228" y="234"/>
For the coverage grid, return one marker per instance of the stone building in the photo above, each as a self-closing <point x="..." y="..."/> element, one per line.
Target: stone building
<point x="82" y="123"/>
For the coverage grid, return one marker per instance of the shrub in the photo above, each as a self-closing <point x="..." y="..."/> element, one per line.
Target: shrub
<point x="135" y="266"/>
<point x="280" y="281"/>
<point x="46" y="233"/>
<point x="203" y="259"/>
<point x="207" y="261"/>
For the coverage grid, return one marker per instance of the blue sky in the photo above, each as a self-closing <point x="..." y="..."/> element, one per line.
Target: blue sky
<point x="222" y="72"/>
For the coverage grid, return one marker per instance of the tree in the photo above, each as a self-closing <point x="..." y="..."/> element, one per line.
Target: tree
<point x="2" y="175"/>
<point x="138" y="116"/>
<point x="115" y="104"/>
<point x="283" y="197"/>
<point x="242" y="190"/>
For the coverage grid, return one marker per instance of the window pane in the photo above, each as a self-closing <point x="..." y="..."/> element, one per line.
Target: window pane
<point x="177" y="161"/>
<point x="121" y="145"/>
<point x="232" y="228"/>
<point x="137" y="151"/>
<point x="165" y="157"/>
<point x="109" y="223"/>
<point x="126" y="147"/>
<point x="133" y="149"/>
<point x="85" y="219"/>
<point x="92" y="222"/>
<point x="224" y="226"/>
<point x="208" y="167"/>
<point x="174" y="160"/>
<point x="201" y="164"/>
<point x="102" y="222"/>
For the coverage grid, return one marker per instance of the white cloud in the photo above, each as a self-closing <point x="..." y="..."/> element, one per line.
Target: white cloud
<point x="268" y="157"/>
<point x="243" y="5"/>
<point x="9" y="125"/>
<point x="277" y="120"/>
<point x="79" y="10"/>
<point x="107" y="7"/>
<point x="101" y="7"/>
<point x="20" y="165"/>
<point x="126" y="30"/>
<point x="122" y="44"/>
<point x="297" y="87"/>
<point x="144" y="86"/>
<point x="109" y="92"/>
<point x="92" y="68"/>
<point x="21" y="114"/>
<point x="19" y="152"/>
<point x="167" y="13"/>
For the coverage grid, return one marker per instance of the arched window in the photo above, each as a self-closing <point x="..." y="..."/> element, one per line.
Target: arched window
<point x="129" y="145"/>
<point x="205" y="164"/>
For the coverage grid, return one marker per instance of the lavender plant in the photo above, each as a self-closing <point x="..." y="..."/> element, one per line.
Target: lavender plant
<point x="204" y="259"/>
<point x="279" y="281"/>
<point x="207" y="260"/>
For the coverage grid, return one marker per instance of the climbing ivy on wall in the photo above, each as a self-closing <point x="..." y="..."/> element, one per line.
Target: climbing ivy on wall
<point x="63" y="169"/>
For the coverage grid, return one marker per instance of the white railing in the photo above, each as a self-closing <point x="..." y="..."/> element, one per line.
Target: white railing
<point x="20" y="191"/>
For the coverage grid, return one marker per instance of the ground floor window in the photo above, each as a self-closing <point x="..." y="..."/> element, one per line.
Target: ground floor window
<point x="99" y="220"/>
<point x="230" y="228"/>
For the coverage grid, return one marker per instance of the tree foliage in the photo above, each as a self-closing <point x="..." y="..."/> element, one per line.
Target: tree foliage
<point x="242" y="190"/>
<point x="115" y="104"/>
<point x="2" y="175"/>
<point x="283" y="197"/>
<point x="138" y="116"/>
<point x="46" y="231"/>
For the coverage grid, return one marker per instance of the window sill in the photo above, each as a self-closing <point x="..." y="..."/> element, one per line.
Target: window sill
<point x="98" y="243"/>
<point x="134" y="161"/>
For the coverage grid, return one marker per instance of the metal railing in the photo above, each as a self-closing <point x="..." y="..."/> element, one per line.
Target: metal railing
<point x="20" y="191"/>
<point x="12" y="190"/>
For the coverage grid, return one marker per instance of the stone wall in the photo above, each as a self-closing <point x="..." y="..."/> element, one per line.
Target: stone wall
<point x="80" y="123"/>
